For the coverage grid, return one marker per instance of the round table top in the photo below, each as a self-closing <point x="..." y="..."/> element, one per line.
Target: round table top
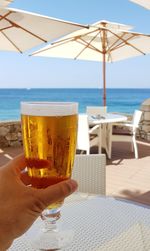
<point x="107" y="118"/>
<point x="99" y="223"/>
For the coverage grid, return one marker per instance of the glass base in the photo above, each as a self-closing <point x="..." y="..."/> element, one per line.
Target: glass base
<point x="48" y="232"/>
<point x="51" y="240"/>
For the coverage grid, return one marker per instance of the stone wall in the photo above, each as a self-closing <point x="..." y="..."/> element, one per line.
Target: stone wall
<point x="10" y="134"/>
<point x="145" y="121"/>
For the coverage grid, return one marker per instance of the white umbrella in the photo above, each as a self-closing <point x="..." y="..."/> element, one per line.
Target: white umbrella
<point x="21" y="30"/>
<point x="144" y="3"/>
<point x="104" y="41"/>
<point x="5" y="2"/>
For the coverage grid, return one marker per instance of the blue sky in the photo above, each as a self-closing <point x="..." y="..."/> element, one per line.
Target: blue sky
<point x="22" y="71"/>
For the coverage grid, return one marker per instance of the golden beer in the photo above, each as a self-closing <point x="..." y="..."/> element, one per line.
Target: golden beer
<point x="49" y="142"/>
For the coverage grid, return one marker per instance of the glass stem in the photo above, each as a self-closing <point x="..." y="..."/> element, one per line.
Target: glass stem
<point x="50" y="218"/>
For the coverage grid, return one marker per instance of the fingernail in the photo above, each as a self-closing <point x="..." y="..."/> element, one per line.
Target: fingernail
<point x="73" y="184"/>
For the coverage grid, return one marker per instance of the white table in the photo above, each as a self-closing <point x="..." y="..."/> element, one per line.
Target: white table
<point x="101" y="223"/>
<point x="105" y="129"/>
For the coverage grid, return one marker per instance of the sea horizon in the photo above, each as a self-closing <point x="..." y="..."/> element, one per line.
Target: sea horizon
<point x="121" y="100"/>
<point x="6" y="88"/>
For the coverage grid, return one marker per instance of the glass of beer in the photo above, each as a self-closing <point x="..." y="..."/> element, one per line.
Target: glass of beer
<point x="49" y="137"/>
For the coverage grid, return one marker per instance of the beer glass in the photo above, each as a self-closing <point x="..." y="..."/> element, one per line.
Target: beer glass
<point x="49" y="137"/>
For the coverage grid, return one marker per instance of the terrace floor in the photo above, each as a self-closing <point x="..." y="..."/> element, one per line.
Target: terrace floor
<point x="126" y="177"/>
<point x="129" y="177"/>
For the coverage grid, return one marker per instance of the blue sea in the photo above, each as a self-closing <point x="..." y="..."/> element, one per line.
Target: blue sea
<point x="118" y="100"/>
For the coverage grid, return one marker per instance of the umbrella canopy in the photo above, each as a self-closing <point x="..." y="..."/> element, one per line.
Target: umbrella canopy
<point x="144" y="3"/>
<point x="5" y="2"/>
<point x="21" y="30"/>
<point x="103" y="41"/>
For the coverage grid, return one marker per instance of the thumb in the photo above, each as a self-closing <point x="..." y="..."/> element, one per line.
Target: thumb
<point x="57" y="192"/>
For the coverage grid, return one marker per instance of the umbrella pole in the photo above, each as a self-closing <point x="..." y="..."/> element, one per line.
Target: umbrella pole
<point x="104" y="64"/>
<point x="104" y="79"/>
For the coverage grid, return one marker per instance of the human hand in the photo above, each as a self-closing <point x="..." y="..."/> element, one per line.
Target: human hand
<point x="20" y="205"/>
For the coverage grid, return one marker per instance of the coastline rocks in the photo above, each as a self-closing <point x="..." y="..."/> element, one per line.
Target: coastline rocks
<point x="10" y="134"/>
<point x="3" y="131"/>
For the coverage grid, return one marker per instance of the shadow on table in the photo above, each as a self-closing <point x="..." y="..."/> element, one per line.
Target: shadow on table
<point x="136" y="196"/>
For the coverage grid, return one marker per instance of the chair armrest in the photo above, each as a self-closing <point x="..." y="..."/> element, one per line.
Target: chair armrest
<point x="128" y="124"/>
<point x="91" y="130"/>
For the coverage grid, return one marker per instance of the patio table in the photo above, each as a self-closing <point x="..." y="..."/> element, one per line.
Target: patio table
<point x="105" y="130"/>
<point x="100" y="223"/>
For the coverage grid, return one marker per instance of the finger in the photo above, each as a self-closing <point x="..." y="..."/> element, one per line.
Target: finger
<point x="25" y="178"/>
<point x="57" y="192"/>
<point x="17" y="164"/>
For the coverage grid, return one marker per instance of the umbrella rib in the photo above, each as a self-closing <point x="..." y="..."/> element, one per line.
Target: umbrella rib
<point x="87" y="45"/>
<point x="22" y="28"/>
<point x="67" y="40"/>
<point x="118" y="39"/>
<point x="127" y="43"/>
<point x="64" y="41"/>
<point x="53" y="46"/>
<point x="6" y="28"/>
<point x="74" y="37"/>
<point x="11" y="42"/>
<point x="122" y="43"/>
<point x="3" y="17"/>
<point x="115" y="47"/>
<point x="92" y="47"/>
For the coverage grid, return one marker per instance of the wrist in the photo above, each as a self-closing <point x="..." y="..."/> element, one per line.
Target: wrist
<point x="5" y="242"/>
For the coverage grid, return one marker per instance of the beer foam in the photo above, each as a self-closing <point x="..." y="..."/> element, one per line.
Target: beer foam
<point x="49" y="108"/>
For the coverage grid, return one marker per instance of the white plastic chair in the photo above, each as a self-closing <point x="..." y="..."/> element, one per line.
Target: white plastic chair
<point x="131" y="136"/>
<point x="96" y="110"/>
<point x="83" y="136"/>
<point x="90" y="173"/>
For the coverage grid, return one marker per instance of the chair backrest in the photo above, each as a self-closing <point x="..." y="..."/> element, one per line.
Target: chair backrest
<point x="136" y="118"/>
<point x="96" y="110"/>
<point x="83" y="140"/>
<point x="90" y="173"/>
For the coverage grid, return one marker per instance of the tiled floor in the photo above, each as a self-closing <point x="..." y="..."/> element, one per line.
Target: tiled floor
<point x="126" y="176"/>
<point x="129" y="177"/>
<point x="8" y="153"/>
